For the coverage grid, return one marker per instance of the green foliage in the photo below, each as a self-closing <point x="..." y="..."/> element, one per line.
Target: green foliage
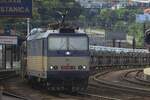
<point x="120" y="26"/>
<point x="122" y="19"/>
<point x="82" y="18"/>
<point x="120" y="13"/>
<point x="136" y="30"/>
<point x="47" y="11"/>
<point x="113" y="16"/>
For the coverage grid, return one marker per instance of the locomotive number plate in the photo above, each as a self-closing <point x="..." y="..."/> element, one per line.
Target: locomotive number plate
<point x="67" y="67"/>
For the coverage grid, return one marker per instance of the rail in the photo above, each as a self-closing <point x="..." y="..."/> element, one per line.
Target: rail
<point x="4" y="75"/>
<point x="138" y="80"/>
<point x="98" y="97"/>
<point x="119" y="86"/>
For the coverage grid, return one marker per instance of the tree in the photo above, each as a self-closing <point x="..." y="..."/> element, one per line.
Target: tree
<point x="48" y="9"/>
<point x="120" y="26"/>
<point x="105" y="17"/>
<point x="136" y="30"/>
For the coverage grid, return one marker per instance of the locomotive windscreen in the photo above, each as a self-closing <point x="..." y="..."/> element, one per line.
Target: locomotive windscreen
<point x="57" y="43"/>
<point x="78" y="43"/>
<point x="67" y="43"/>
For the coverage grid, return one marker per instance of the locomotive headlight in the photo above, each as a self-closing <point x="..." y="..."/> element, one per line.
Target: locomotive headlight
<point x="80" y="67"/>
<point x="55" y="67"/>
<point x="68" y="53"/>
<point x="84" y="67"/>
<point x="51" y="67"/>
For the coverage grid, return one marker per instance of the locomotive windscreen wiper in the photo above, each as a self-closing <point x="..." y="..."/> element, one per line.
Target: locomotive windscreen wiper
<point x="78" y="43"/>
<point x="71" y="46"/>
<point x="62" y="45"/>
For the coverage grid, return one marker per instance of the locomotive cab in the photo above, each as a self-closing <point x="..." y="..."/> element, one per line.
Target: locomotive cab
<point x="59" y="58"/>
<point x="68" y="58"/>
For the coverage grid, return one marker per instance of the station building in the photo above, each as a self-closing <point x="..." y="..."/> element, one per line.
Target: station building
<point x="10" y="49"/>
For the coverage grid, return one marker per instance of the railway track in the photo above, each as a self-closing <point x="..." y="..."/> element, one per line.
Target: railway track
<point x="137" y="79"/>
<point x="97" y="97"/>
<point x="140" y="78"/>
<point x="94" y="89"/>
<point x="45" y="95"/>
<point x="118" y="86"/>
<point x="18" y="97"/>
<point x="4" y="75"/>
<point x="104" y="91"/>
<point x="82" y="95"/>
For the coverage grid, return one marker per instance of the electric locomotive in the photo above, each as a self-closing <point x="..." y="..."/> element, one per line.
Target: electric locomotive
<point x="58" y="59"/>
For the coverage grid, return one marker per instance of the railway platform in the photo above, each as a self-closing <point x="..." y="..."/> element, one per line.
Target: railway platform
<point x="146" y="72"/>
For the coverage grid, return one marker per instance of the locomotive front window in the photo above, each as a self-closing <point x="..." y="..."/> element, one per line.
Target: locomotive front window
<point x="57" y="43"/>
<point x="78" y="43"/>
<point x="68" y="43"/>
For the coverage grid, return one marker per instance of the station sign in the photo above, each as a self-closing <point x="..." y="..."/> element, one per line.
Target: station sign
<point x="9" y="40"/>
<point x="16" y="8"/>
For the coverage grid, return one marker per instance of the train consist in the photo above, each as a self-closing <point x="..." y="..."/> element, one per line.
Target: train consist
<point x="58" y="59"/>
<point x="102" y="57"/>
<point x="62" y="59"/>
